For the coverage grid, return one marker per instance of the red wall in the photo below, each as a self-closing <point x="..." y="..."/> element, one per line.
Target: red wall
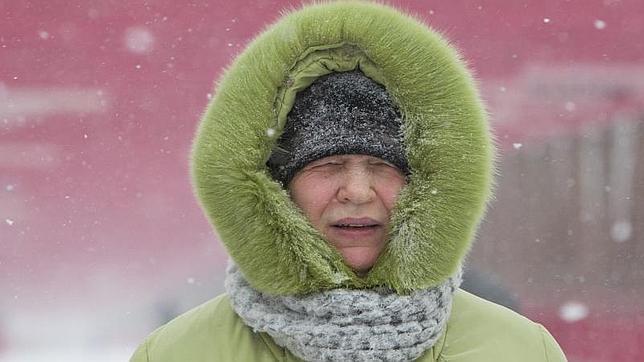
<point x="104" y="180"/>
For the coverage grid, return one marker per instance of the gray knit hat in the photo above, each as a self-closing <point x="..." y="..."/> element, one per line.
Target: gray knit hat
<point x="339" y="113"/>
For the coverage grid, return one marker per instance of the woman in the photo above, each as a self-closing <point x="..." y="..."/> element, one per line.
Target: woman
<point x="345" y="162"/>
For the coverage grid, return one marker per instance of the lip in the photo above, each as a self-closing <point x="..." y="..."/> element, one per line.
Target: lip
<point x="362" y="221"/>
<point x="370" y="228"/>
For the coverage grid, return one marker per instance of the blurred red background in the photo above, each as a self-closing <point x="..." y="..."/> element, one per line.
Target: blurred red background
<point x="101" y="238"/>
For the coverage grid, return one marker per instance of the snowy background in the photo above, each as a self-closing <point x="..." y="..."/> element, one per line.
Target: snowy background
<point x="101" y="240"/>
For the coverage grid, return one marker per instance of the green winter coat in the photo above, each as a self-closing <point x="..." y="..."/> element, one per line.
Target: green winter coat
<point x="448" y="147"/>
<point x="478" y="331"/>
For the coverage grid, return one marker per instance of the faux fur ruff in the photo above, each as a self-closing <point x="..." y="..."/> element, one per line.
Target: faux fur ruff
<point x="448" y="146"/>
<point x="345" y="324"/>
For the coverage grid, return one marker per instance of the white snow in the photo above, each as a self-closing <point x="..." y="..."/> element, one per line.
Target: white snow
<point x="190" y="280"/>
<point x="573" y="311"/>
<point x="43" y="35"/>
<point x="139" y="40"/>
<point x="270" y="132"/>
<point x="546" y="20"/>
<point x="10" y="187"/>
<point x="434" y="192"/>
<point x="600" y="24"/>
<point x="517" y="145"/>
<point x="570" y="106"/>
<point x="9" y="221"/>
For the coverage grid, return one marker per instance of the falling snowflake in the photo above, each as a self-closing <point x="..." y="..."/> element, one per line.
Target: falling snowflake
<point x="517" y="145"/>
<point x="600" y="24"/>
<point x="621" y="231"/>
<point x="573" y="311"/>
<point x="139" y="40"/>
<point x="9" y="222"/>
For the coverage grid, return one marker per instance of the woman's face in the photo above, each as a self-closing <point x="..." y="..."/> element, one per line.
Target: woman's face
<point x="348" y="199"/>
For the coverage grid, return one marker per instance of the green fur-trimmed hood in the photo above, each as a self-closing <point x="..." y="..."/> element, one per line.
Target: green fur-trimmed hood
<point x="449" y="150"/>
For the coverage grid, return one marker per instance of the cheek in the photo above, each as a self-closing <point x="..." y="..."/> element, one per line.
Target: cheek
<point x="389" y="193"/>
<point x="311" y="197"/>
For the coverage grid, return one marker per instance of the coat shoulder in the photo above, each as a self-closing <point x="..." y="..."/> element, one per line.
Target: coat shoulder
<point x="479" y="330"/>
<point x="209" y="332"/>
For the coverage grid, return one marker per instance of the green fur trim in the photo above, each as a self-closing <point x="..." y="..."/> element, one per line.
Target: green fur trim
<point x="449" y="149"/>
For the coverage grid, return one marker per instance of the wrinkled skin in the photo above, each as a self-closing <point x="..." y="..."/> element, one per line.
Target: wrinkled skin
<point x="348" y="199"/>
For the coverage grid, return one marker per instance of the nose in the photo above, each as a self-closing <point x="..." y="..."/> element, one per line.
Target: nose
<point x="356" y="186"/>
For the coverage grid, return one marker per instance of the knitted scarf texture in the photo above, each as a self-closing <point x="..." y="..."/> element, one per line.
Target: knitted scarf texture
<point x="346" y="324"/>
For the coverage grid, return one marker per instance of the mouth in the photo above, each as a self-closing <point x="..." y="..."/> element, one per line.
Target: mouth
<point x="363" y="231"/>
<point x="356" y="224"/>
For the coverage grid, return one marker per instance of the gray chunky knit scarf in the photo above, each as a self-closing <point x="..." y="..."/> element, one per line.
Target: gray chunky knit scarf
<point x="345" y="324"/>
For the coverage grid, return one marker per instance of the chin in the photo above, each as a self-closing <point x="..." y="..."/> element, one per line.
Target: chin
<point x="360" y="261"/>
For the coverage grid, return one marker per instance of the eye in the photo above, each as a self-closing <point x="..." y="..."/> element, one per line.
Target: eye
<point x="381" y="163"/>
<point x="324" y="163"/>
<point x="384" y="167"/>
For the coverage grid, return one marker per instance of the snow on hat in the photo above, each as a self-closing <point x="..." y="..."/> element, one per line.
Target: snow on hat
<point x="339" y="113"/>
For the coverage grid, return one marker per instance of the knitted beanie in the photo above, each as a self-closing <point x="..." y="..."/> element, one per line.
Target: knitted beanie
<point x="338" y="114"/>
